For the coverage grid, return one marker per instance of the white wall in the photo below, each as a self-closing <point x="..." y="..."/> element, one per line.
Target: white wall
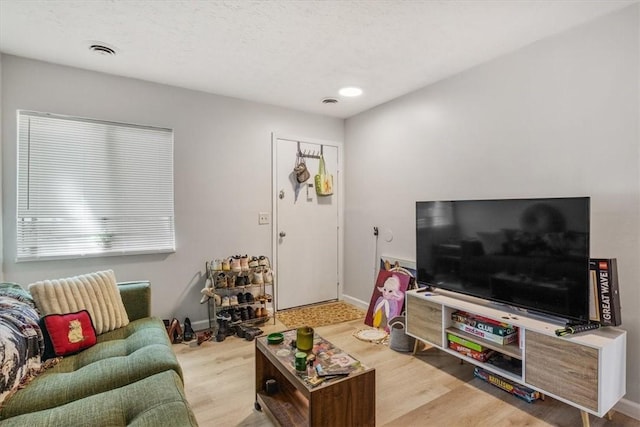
<point x="222" y="165"/>
<point x="1" y="212"/>
<point x="557" y="118"/>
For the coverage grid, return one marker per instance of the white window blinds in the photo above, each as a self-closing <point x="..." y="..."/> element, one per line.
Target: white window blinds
<point x="92" y="188"/>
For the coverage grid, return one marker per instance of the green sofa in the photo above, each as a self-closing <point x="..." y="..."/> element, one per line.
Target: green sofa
<point x="130" y="377"/>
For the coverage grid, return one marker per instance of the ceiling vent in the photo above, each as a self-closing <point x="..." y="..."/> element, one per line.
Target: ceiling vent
<point x="102" y="49"/>
<point x="329" y="101"/>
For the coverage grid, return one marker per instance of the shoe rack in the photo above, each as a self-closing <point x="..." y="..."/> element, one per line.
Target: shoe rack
<point x="239" y="291"/>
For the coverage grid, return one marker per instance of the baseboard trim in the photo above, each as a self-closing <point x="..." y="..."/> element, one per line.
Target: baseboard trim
<point x="201" y="325"/>
<point x="355" y="301"/>
<point x="629" y="408"/>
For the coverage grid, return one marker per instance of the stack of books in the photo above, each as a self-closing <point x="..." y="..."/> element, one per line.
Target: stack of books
<point x="485" y="328"/>
<point x="469" y="348"/>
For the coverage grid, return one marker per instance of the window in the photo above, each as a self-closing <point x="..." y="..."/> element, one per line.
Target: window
<point x="92" y="188"/>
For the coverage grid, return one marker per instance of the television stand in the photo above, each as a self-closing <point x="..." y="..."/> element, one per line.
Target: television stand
<point x="586" y="370"/>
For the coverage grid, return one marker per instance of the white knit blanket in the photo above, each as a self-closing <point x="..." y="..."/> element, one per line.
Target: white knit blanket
<point x="97" y="293"/>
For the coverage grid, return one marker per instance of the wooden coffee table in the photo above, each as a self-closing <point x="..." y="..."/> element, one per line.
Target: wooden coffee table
<point x="341" y="401"/>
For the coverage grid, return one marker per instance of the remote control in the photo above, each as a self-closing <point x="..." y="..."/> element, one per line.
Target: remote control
<point x="576" y="329"/>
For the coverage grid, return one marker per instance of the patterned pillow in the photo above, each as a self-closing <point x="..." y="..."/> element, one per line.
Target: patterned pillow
<point x="21" y="344"/>
<point x="66" y="334"/>
<point x="15" y="291"/>
<point x="97" y="293"/>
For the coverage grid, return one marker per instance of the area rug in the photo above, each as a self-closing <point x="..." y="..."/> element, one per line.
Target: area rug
<point x="320" y="315"/>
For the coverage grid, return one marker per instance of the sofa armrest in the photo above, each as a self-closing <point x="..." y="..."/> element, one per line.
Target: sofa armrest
<point x="136" y="297"/>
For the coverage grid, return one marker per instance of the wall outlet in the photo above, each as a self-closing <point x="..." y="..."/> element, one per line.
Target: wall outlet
<point x="263" y="218"/>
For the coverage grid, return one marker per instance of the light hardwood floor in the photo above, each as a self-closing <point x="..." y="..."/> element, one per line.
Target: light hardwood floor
<point x="432" y="389"/>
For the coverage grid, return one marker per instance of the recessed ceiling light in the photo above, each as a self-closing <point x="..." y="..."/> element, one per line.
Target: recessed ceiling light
<point x="350" y="91"/>
<point x="102" y="49"/>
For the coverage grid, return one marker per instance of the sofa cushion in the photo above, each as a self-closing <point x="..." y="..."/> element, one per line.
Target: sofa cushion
<point x="66" y="334"/>
<point x="95" y="292"/>
<point x="120" y="357"/>
<point x="155" y="401"/>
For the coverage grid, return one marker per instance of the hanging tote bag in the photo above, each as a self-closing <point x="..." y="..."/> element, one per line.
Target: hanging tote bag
<point x="323" y="180"/>
<point x="300" y="169"/>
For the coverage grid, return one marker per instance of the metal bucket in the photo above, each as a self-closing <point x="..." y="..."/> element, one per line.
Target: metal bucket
<point x="400" y="341"/>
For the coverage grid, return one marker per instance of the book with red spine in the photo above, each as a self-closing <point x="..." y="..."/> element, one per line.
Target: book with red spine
<point x="604" y="304"/>
<point x="481" y="356"/>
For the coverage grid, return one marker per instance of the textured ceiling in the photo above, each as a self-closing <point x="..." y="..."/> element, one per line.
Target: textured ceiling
<point x="287" y="53"/>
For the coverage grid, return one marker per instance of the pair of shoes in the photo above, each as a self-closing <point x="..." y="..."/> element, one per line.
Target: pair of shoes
<point x="231" y="281"/>
<point x="189" y="334"/>
<point x="241" y="298"/>
<point x="175" y="331"/>
<point x="250" y="333"/>
<point x="216" y="265"/>
<point x="235" y="264"/>
<point x="263" y="298"/>
<point x="257" y="277"/>
<point x="254" y="262"/>
<point x="204" y="336"/>
<point x="242" y="281"/>
<point x="263" y="261"/>
<point x="244" y="263"/>
<point x="220" y="280"/>
<point x="267" y="274"/>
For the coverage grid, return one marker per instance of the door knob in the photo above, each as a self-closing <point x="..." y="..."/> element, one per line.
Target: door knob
<point x="282" y="234"/>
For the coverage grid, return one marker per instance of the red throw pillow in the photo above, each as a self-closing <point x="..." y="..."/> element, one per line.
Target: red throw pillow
<point x="69" y="333"/>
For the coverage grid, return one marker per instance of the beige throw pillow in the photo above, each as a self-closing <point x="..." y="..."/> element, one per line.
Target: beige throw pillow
<point x="97" y="293"/>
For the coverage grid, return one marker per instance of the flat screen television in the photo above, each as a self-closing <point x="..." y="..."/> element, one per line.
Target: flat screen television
<point x="528" y="253"/>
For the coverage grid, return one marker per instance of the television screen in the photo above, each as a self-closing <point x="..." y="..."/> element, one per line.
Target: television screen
<point x="529" y="253"/>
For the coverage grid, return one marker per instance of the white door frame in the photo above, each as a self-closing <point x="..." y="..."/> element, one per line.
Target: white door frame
<point x="274" y="203"/>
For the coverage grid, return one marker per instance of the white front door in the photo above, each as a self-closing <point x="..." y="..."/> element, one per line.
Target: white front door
<point x="306" y="227"/>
